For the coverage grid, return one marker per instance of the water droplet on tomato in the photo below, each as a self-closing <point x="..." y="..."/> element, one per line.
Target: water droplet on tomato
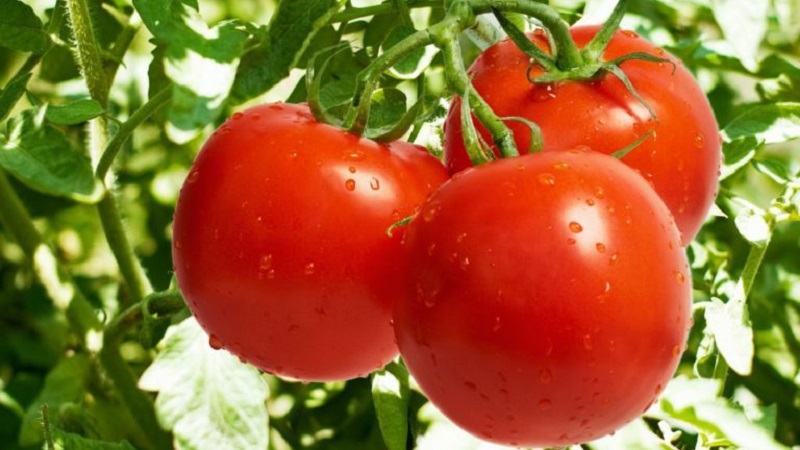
<point x="545" y="375"/>
<point x="214" y="341"/>
<point x="309" y="269"/>
<point x="470" y="385"/>
<point x="460" y="238"/>
<point x="350" y="184"/>
<point x="571" y="241"/>
<point x="193" y="176"/>
<point x="612" y="260"/>
<point x="561" y="165"/>
<point x="601" y="248"/>
<point x="496" y="326"/>
<point x="237" y="115"/>
<point x="255" y="116"/>
<point x="699" y="141"/>
<point x="265" y="263"/>
<point x="658" y="389"/>
<point x="676" y="350"/>
<point x="599" y="192"/>
<point x="464" y="263"/>
<point x="356" y="154"/>
<point x="630" y="34"/>
<point x="271" y="274"/>
<point x="176" y="243"/>
<point x="546" y="179"/>
<point x="431" y="211"/>
<point x="374" y="184"/>
<point x="679" y="277"/>
<point x="575" y="227"/>
<point x="545" y="404"/>
<point x="351" y="169"/>
<point x="590" y="202"/>
<point x="587" y="342"/>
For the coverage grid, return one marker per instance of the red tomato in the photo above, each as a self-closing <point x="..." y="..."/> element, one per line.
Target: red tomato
<point x="681" y="160"/>
<point x="280" y="243"/>
<point x="549" y="301"/>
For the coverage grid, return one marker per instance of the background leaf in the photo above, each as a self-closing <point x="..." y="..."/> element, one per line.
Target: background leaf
<point x="391" y="393"/>
<point x="208" y="398"/>
<point x="20" y="28"/>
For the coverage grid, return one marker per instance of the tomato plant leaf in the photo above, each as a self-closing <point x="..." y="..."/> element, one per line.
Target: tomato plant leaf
<point x="44" y="159"/>
<point x="412" y="65"/>
<point x="753" y="226"/>
<point x="694" y="402"/>
<point x="733" y="333"/>
<point x="291" y="29"/>
<point x="20" y="28"/>
<point x="390" y="392"/>
<point x="634" y="435"/>
<point x="204" y="389"/>
<point x="65" y="384"/>
<point x="193" y="48"/>
<point x="766" y="124"/>
<point x="10" y="95"/>
<point x="68" y="441"/>
<point x="387" y="108"/>
<point x="744" y="25"/>
<point x="74" y="113"/>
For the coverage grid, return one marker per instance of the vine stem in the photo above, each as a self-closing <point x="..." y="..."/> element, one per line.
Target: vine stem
<point x="59" y="285"/>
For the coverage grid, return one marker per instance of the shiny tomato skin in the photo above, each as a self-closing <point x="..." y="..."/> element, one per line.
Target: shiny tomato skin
<point x="681" y="159"/>
<point x="550" y="298"/>
<point x="280" y="244"/>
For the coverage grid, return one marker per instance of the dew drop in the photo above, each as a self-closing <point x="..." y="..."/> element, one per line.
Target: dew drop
<point x="374" y="184"/>
<point x="356" y="155"/>
<point x="470" y="385"/>
<point x="630" y="34"/>
<point x="546" y="179"/>
<point x="699" y="140"/>
<point x="612" y="260"/>
<point x="599" y="192"/>
<point x="571" y="241"/>
<point x="545" y="375"/>
<point x="460" y="238"/>
<point x="350" y="184"/>
<point x="496" y="326"/>
<point x="676" y="350"/>
<point x="237" y="115"/>
<point x="176" y="243"/>
<point x="309" y="269"/>
<point x="271" y="274"/>
<point x="464" y="263"/>
<point x="575" y="227"/>
<point x="265" y="263"/>
<point x="587" y="342"/>
<point x="679" y="277"/>
<point x="601" y="248"/>
<point x="255" y="116"/>
<point x="431" y="211"/>
<point x="214" y="342"/>
<point x="545" y="404"/>
<point x="561" y="165"/>
<point x="590" y="202"/>
<point x="193" y="175"/>
<point x="658" y="389"/>
<point x="351" y="169"/>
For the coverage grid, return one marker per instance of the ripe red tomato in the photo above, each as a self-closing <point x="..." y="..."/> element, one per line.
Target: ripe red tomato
<point x="549" y="301"/>
<point x="681" y="159"/>
<point x="280" y="241"/>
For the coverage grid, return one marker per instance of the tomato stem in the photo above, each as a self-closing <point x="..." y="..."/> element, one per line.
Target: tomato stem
<point x="593" y="51"/>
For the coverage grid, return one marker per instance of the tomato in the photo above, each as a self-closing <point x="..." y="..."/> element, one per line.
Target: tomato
<point x="681" y="159"/>
<point x="280" y="241"/>
<point x="550" y="298"/>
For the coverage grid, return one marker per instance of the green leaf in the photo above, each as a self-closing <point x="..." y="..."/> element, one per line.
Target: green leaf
<point x="766" y="124"/>
<point x="65" y="384"/>
<point x="411" y="65"/>
<point x="11" y="94"/>
<point x="291" y="29"/>
<point x="733" y="333"/>
<point x="773" y="168"/>
<point x="635" y="435"/>
<point x="70" y="441"/>
<point x="753" y="226"/>
<point x="43" y="158"/>
<point x="694" y="402"/>
<point x="744" y="25"/>
<point x="21" y="29"/>
<point x="208" y="398"/>
<point x="201" y="61"/>
<point x="74" y="113"/>
<point x="390" y="393"/>
<point x="387" y="108"/>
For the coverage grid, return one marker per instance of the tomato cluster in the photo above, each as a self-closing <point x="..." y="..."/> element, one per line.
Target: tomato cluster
<point x="542" y="300"/>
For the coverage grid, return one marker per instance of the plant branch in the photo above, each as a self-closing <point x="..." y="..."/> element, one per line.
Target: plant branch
<point x="88" y="50"/>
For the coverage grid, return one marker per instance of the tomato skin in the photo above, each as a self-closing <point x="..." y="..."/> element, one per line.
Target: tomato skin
<point x="280" y="244"/>
<point x="549" y="301"/>
<point x="681" y="159"/>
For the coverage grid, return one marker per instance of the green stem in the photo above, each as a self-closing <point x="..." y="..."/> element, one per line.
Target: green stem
<point x="458" y="81"/>
<point x="88" y="51"/>
<point x="129" y="266"/>
<point x="127" y="128"/>
<point x="567" y="54"/>
<point x="59" y="286"/>
<point x="376" y="10"/>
